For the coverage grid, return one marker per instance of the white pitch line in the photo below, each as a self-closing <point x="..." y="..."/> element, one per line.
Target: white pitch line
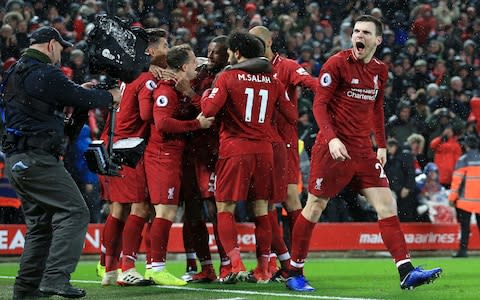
<point x="243" y="292"/>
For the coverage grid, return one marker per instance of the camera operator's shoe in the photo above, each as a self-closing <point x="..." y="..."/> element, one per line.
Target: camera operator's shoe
<point x="299" y="284"/>
<point x="30" y="295"/>
<point x="66" y="291"/>
<point x="100" y="270"/>
<point x="131" y="277"/>
<point x="110" y="278"/>
<point x="418" y="276"/>
<point x="164" y="277"/>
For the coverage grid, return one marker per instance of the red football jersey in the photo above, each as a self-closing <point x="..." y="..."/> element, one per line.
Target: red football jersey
<point x="128" y="121"/>
<point x="203" y="143"/>
<point x="292" y="75"/>
<point x="167" y="128"/>
<point x="349" y="102"/>
<point x="247" y="102"/>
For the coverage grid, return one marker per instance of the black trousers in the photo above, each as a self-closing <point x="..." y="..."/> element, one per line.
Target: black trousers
<point x="56" y="217"/>
<point x="463" y="218"/>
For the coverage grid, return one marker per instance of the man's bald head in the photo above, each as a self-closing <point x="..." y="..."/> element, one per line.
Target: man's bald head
<point x="263" y="33"/>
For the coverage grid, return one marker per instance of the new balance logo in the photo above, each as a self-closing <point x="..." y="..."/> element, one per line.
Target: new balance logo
<point x="355" y="81"/>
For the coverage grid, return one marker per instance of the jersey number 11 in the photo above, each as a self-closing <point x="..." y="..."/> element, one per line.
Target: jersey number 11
<point x="249" y="107"/>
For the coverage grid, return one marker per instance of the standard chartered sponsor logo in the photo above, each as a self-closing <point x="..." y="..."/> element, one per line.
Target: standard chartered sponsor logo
<point x="412" y="238"/>
<point x="363" y="94"/>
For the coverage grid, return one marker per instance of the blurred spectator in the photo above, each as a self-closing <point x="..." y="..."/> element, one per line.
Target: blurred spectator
<point x="78" y="66"/>
<point x="400" y="171"/>
<point x="421" y="78"/>
<point x="446" y="13"/>
<point x="425" y="24"/>
<point x="432" y="91"/>
<point x="440" y="119"/>
<point x="470" y="53"/>
<point x="401" y="125"/>
<point x="250" y="13"/>
<point x="446" y="100"/>
<point x="8" y="43"/>
<point x="399" y="83"/>
<point x="420" y="112"/>
<point x="21" y="35"/>
<point x="446" y="150"/>
<point x="416" y="143"/>
<point x="439" y="73"/>
<point x="432" y="197"/>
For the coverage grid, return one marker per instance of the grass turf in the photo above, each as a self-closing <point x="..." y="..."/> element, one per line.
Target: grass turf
<point x="349" y="279"/>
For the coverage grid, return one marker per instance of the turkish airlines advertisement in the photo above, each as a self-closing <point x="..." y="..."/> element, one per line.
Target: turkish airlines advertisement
<point x="326" y="237"/>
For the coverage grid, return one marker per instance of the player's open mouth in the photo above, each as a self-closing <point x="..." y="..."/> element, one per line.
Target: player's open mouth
<point x="360" y="46"/>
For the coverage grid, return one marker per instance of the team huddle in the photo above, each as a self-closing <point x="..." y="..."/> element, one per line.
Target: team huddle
<point x="225" y="131"/>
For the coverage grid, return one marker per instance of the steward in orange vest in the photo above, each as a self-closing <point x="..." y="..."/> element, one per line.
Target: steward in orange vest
<point x="465" y="190"/>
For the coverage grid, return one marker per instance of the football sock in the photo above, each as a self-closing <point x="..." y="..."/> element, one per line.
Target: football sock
<point x="227" y="231"/>
<point x="263" y="235"/>
<point x="132" y="237"/>
<point x="301" y="235"/>
<point x="278" y="244"/>
<point x="159" y="233"/>
<point x="292" y="217"/>
<point x="148" y="249"/>
<point x="221" y="251"/>
<point x="113" y="242"/>
<point x="188" y="244"/>
<point x="394" y="240"/>
<point x="102" y="248"/>
<point x="200" y="241"/>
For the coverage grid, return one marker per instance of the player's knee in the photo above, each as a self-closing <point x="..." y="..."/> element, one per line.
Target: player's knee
<point x="227" y="206"/>
<point x="314" y="208"/>
<point x="117" y="210"/>
<point x="140" y="209"/>
<point x="261" y="208"/>
<point x="386" y="211"/>
<point x="167" y="212"/>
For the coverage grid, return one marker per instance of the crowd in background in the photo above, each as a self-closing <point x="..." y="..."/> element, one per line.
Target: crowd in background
<point x="431" y="48"/>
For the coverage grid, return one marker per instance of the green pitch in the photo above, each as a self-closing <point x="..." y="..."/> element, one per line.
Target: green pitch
<point x="348" y="279"/>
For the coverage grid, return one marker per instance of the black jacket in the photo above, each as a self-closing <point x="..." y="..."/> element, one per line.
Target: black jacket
<point x="36" y="94"/>
<point x="400" y="170"/>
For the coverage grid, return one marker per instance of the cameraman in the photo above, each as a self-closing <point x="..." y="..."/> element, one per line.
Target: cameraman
<point x="56" y="215"/>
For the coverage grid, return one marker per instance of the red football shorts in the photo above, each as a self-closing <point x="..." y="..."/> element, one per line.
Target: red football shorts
<point x="293" y="170"/>
<point x="104" y="182"/>
<point x="205" y="179"/>
<point x="131" y="187"/>
<point x="280" y="183"/>
<point x="164" y="175"/>
<point x="328" y="177"/>
<point x="237" y="175"/>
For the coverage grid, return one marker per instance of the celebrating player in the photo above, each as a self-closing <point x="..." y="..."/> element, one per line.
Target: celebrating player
<point x="247" y="101"/>
<point x="347" y="105"/>
<point x="163" y="157"/>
